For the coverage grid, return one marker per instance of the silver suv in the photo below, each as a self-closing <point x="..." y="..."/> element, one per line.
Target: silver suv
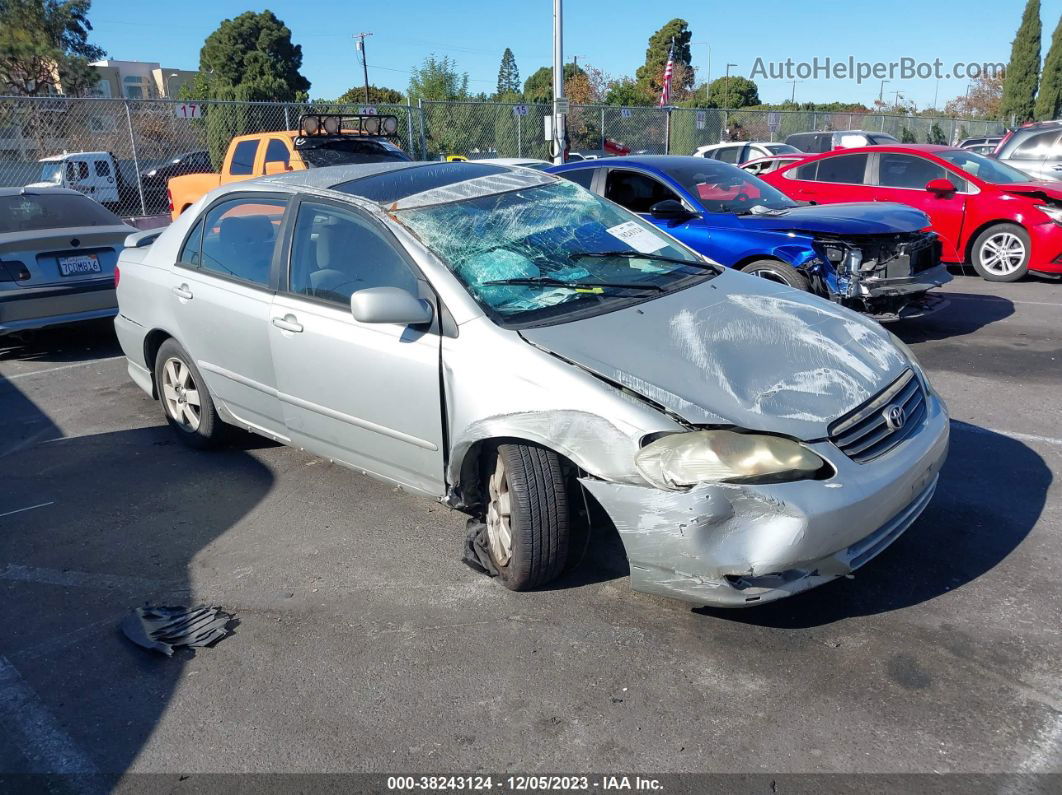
<point x="1035" y="149"/>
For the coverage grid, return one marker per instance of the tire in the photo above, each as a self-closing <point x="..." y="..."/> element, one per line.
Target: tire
<point x="776" y="271"/>
<point x="539" y="517"/>
<point x="1001" y="253"/>
<point x="178" y="380"/>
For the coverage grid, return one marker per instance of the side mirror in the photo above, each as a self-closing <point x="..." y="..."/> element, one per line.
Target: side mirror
<point x="276" y="167"/>
<point x="389" y="305"/>
<point x="941" y="186"/>
<point x="670" y="209"/>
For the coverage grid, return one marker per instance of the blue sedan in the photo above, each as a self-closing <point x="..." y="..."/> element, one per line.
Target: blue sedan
<point x="878" y="258"/>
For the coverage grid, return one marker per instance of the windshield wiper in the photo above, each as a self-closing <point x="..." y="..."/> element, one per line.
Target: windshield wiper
<point x="545" y="281"/>
<point x="639" y="255"/>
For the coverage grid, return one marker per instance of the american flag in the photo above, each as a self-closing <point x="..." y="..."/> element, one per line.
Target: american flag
<point x="665" y="92"/>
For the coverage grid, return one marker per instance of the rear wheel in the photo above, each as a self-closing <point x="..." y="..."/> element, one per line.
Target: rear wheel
<point x="528" y="515"/>
<point x="1001" y="253"/>
<point x="775" y="271"/>
<point x="185" y="399"/>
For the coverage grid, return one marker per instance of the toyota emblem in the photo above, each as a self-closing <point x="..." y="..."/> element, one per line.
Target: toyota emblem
<point x="895" y="417"/>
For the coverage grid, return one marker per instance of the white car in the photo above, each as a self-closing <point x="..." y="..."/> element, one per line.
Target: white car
<point x="738" y="152"/>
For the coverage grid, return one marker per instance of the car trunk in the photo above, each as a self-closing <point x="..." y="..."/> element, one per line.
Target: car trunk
<point x="61" y="256"/>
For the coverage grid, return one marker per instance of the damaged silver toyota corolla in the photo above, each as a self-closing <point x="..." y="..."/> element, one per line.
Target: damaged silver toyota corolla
<point x="497" y="337"/>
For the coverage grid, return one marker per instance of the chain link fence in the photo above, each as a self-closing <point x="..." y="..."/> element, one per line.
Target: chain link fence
<point x="140" y="136"/>
<point x="143" y="137"/>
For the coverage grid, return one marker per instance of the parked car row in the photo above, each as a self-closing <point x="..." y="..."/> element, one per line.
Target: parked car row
<point x="504" y="339"/>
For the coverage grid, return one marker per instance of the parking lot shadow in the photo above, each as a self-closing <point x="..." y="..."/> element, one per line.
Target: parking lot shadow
<point x="83" y="342"/>
<point x="965" y="314"/>
<point x="102" y="524"/>
<point x="991" y="493"/>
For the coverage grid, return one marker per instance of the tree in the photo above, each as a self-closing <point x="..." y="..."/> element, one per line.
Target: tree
<point x="44" y="47"/>
<point x="539" y="86"/>
<point x="628" y="92"/>
<point x="508" y="75"/>
<point x="1049" y="99"/>
<point x="650" y="75"/>
<point x="907" y="137"/>
<point x="1023" y="71"/>
<point x="377" y="96"/>
<point x="733" y="92"/>
<point x="438" y="79"/>
<point x="252" y="57"/>
<point x="936" y="135"/>
<point x="983" y="100"/>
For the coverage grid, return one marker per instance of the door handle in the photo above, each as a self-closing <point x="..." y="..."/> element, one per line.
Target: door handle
<point x="288" y="323"/>
<point x="183" y="292"/>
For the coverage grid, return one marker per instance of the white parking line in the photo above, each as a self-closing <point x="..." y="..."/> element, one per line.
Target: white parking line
<point x="78" y="579"/>
<point x="1021" y="437"/>
<point x="28" y="508"/>
<point x="57" y="369"/>
<point x="35" y="731"/>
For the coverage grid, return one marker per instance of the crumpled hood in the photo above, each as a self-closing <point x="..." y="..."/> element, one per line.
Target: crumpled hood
<point x="857" y="218"/>
<point x="1035" y="188"/>
<point x="736" y="350"/>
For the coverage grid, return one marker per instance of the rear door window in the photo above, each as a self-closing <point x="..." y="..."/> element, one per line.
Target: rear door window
<point x="1036" y="147"/>
<point x="846" y="169"/>
<point x="243" y="158"/>
<point x="239" y="237"/>
<point x="728" y="154"/>
<point x="277" y="152"/>
<point x="580" y="176"/>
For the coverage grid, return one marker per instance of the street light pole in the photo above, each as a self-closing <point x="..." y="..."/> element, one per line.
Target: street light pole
<point x="881" y="92"/>
<point x="726" y="83"/>
<point x="559" y="142"/>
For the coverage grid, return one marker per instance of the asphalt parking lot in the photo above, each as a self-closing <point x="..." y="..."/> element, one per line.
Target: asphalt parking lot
<point x="365" y="644"/>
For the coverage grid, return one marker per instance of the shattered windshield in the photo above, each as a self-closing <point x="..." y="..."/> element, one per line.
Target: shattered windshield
<point x="340" y="151"/>
<point x="545" y="252"/>
<point x="723" y="188"/>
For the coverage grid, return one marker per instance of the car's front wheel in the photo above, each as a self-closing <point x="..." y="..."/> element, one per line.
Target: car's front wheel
<point x="1001" y="253"/>
<point x="776" y="271"/>
<point x="185" y="399"/>
<point x="528" y="515"/>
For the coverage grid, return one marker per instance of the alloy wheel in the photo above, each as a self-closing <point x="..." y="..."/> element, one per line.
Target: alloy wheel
<point x="180" y="394"/>
<point x="1002" y="253"/>
<point x="499" y="515"/>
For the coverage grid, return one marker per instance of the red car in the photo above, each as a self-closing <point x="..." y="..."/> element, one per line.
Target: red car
<point x="987" y="213"/>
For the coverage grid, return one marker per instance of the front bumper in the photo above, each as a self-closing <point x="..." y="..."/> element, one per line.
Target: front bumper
<point x="1046" y="256"/>
<point x="30" y="308"/>
<point x="732" y="545"/>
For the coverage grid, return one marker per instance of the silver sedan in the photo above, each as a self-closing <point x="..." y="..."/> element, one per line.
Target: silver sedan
<point x="511" y="343"/>
<point x="58" y="249"/>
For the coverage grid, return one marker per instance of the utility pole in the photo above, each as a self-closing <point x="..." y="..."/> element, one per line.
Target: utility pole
<point x="881" y="92"/>
<point x="364" y="62"/>
<point x="896" y="100"/>
<point x="708" y="73"/>
<point x="792" y="95"/>
<point x="559" y="135"/>
<point x="726" y="83"/>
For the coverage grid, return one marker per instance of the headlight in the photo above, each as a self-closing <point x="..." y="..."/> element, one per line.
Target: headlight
<point x="683" y="459"/>
<point x="1054" y="213"/>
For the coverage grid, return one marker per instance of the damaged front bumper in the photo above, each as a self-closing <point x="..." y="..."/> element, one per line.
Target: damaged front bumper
<point x="732" y="545"/>
<point x="887" y="277"/>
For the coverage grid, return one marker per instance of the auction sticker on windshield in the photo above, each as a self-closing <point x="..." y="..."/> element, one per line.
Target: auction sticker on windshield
<point x="636" y="237"/>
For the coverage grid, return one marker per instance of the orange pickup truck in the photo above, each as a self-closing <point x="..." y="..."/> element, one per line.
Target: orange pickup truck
<point x="321" y="140"/>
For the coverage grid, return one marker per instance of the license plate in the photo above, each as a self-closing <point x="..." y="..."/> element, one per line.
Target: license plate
<point x="82" y="263"/>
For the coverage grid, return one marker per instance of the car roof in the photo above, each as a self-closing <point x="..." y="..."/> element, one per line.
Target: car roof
<point x="65" y="155"/>
<point x="409" y="184"/>
<point x="508" y="161"/>
<point x="662" y="162"/>
<point x="930" y="149"/>
<point x="40" y="192"/>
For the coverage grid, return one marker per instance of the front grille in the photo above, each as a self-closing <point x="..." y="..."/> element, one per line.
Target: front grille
<point x="864" y="433"/>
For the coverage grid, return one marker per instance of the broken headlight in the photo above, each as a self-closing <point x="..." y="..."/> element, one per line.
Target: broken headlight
<point x="1051" y="211"/>
<point x="683" y="459"/>
<point x="843" y="257"/>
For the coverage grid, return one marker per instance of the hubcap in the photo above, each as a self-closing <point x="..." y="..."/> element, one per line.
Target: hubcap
<point x="499" y="515"/>
<point x="180" y="394"/>
<point x="1002" y="253"/>
<point x="770" y="276"/>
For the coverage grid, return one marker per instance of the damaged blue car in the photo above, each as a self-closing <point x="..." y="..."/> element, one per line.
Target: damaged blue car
<point x="877" y="258"/>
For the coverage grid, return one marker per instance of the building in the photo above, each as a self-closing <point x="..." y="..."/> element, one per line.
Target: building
<point x="139" y="80"/>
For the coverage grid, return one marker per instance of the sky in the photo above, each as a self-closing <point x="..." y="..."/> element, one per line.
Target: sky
<point x="609" y="35"/>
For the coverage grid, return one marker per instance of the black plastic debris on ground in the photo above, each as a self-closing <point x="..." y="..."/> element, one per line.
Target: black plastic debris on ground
<point x="477" y="554"/>
<point x="163" y="628"/>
